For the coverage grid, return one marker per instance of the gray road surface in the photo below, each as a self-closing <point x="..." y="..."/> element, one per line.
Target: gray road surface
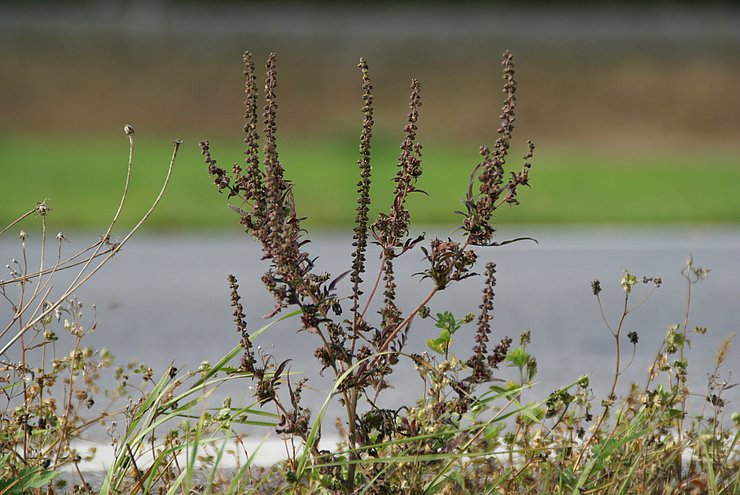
<point x="165" y="298"/>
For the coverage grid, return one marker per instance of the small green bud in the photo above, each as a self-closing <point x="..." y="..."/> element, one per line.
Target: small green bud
<point x="627" y="282"/>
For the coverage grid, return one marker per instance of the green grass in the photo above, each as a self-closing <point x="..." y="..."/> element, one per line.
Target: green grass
<point x="82" y="179"/>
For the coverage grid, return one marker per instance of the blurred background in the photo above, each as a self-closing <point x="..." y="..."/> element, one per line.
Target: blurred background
<point x="634" y="108"/>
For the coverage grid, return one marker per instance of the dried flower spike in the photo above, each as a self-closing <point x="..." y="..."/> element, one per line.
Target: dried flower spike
<point x="363" y="188"/>
<point x="492" y="190"/>
<point x="247" y="361"/>
<point x="478" y="360"/>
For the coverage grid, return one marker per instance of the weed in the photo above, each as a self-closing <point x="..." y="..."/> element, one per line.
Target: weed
<point x="51" y="398"/>
<point x="361" y="353"/>
<point x="449" y="439"/>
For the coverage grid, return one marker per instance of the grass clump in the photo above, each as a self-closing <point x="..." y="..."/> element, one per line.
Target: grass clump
<point x="470" y="432"/>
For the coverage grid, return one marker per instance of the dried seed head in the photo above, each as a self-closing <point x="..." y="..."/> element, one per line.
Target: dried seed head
<point x="478" y="360"/>
<point x="723" y="350"/>
<point x="247" y="361"/>
<point x="363" y="188"/>
<point x="41" y="208"/>
<point x="391" y="316"/>
<point x="493" y="190"/>
<point x="128" y="130"/>
<point x="391" y="228"/>
<point x="596" y="287"/>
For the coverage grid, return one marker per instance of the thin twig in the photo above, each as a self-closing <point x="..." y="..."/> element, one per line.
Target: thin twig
<point x="78" y="282"/>
<point x="28" y="213"/>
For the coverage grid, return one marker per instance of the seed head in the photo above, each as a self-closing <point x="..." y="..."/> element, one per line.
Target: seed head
<point x="596" y="287"/>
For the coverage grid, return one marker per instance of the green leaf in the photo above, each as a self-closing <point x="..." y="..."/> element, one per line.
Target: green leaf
<point x="441" y="343"/>
<point x="28" y="478"/>
<point x="517" y="357"/>
<point x="493" y="431"/>
<point x="437" y="345"/>
<point x="40" y="478"/>
<point x="444" y="320"/>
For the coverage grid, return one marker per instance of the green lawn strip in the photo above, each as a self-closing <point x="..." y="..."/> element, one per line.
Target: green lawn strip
<point x="83" y="177"/>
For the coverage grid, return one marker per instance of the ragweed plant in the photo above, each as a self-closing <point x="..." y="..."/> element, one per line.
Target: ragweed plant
<point x="362" y="351"/>
<point x="470" y="431"/>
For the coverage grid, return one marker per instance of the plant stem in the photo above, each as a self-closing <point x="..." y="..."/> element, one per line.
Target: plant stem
<point x="375" y="287"/>
<point x="408" y="319"/>
<point x="610" y="398"/>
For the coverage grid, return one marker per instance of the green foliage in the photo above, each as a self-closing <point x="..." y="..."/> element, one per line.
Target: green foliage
<point x="449" y="325"/>
<point x="88" y="166"/>
<point x="24" y="480"/>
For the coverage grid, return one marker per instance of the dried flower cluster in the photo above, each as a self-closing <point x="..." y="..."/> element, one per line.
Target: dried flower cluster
<point x="363" y="189"/>
<point x="493" y="189"/>
<point x="481" y="364"/>
<point x="248" y="360"/>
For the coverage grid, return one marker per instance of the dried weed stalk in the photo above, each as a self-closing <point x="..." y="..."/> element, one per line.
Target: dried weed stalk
<point x="360" y="353"/>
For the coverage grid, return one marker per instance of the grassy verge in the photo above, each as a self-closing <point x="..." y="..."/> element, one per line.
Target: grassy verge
<point x="81" y="177"/>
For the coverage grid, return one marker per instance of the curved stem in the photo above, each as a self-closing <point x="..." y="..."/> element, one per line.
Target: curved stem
<point x="80" y="279"/>
<point x="59" y="266"/>
<point x="408" y="319"/>
<point x="610" y="397"/>
<point x="26" y="214"/>
<point x="375" y="287"/>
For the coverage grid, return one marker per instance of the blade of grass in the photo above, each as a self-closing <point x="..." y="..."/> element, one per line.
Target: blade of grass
<point x="634" y="431"/>
<point x="709" y="465"/>
<point x="216" y="463"/>
<point x="626" y="483"/>
<point x="234" y="485"/>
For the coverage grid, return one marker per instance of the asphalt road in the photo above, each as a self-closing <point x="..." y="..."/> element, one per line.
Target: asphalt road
<point x="165" y="298"/>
